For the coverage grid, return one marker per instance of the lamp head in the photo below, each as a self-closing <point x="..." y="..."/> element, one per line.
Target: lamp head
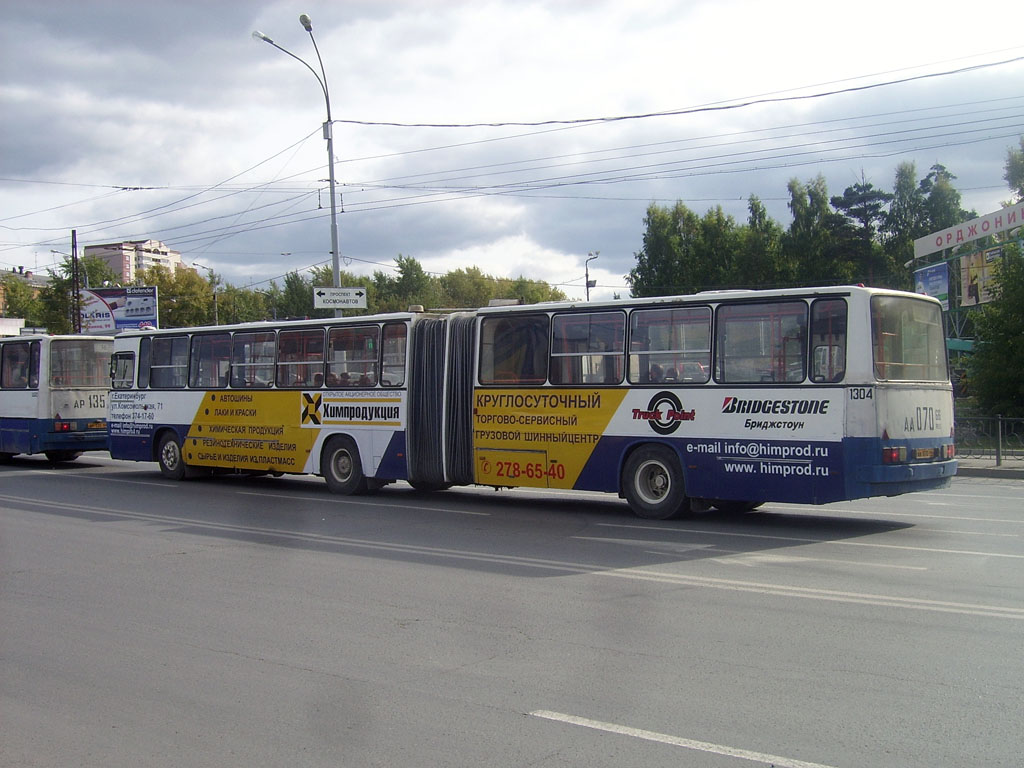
<point x="257" y="35"/>
<point x="306" y="22"/>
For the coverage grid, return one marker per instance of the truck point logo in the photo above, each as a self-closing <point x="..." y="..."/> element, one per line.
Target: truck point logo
<point x="664" y="413"/>
<point x="311" y="408"/>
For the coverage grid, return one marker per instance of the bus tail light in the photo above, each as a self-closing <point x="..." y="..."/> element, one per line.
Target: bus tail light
<point x="894" y="455"/>
<point x="63" y="426"/>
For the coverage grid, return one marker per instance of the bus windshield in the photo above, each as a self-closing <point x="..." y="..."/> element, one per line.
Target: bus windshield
<point x="907" y="339"/>
<point x="80" y="362"/>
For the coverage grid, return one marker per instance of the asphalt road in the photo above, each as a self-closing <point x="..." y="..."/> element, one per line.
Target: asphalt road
<point x="259" y="621"/>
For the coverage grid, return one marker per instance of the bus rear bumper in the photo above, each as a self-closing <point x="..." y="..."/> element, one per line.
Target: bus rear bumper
<point x="888" y="480"/>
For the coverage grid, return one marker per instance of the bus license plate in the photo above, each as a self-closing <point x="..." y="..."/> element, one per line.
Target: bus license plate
<point x="924" y="453"/>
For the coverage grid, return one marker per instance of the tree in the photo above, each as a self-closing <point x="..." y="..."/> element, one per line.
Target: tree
<point x="468" y="287"/>
<point x="996" y="369"/>
<point x="1015" y="170"/>
<point x="942" y="199"/>
<point x="865" y="205"/>
<point x="758" y="262"/>
<point x="820" y="243"/>
<point x="661" y="267"/>
<point x="19" y="300"/>
<point x="183" y="298"/>
<point x="55" y="299"/>
<point x="906" y="220"/>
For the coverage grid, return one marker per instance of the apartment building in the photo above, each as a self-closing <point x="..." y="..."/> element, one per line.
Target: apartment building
<point x="128" y="258"/>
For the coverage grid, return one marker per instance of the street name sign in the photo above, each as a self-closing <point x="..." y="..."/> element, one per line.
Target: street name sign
<point x="338" y="298"/>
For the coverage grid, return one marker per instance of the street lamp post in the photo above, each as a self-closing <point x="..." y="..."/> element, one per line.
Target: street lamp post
<point x="586" y="271"/>
<point x="321" y="78"/>
<point x="213" y="287"/>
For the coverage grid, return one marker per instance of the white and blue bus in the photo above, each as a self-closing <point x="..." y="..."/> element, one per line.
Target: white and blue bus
<point x="53" y="395"/>
<point x="724" y="399"/>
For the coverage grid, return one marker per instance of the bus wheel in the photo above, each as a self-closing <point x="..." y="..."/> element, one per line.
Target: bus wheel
<point x="56" y="457"/>
<point x="736" y="507"/>
<point x="653" y="483"/>
<point x="5" y="458"/>
<point x="168" y="455"/>
<point x="341" y="467"/>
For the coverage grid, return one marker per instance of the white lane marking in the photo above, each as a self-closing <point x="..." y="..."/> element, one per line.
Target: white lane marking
<point x="883" y="514"/>
<point x="677" y="741"/>
<point x="808" y="540"/>
<point x="362" y="502"/>
<point x="567" y="567"/>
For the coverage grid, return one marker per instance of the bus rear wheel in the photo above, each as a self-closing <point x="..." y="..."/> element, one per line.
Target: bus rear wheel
<point x="652" y="483"/>
<point x="168" y="455"/>
<point x="341" y="467"/>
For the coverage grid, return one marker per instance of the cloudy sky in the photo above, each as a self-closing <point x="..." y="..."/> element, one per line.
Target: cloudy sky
<point x="476" y="133"/>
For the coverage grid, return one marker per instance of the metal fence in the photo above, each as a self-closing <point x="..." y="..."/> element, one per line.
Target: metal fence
<point x="988" y="437"/>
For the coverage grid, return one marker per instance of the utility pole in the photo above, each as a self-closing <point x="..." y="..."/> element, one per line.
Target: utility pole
<point x="76" y="286"/>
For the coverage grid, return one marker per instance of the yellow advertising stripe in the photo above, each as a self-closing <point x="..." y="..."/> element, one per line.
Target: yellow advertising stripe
<point x="538" y="437"/>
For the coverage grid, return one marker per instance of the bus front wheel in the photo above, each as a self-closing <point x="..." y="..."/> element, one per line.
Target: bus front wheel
<point x="341" y="467"/>
<point x="168" y="455"/>
<point x="652" y="483"/>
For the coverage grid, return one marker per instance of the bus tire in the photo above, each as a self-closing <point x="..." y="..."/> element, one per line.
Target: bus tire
<point x="56" y="457"/>
<point x="169" y="456"/>
<point x="652" y="483"/>
<point x="341" y="467"/>
<point x="731" y="507"/>
<point x="5" y="458"/>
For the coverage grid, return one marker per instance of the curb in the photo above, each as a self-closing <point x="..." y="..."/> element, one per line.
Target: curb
<point x="1005" y="473"/>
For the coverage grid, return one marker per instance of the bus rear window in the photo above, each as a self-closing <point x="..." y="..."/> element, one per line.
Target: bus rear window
<point x="907" y="339"/>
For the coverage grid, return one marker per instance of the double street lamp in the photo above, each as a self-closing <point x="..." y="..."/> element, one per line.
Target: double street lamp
<point x="321" y="78"/>
<point x="586" y="271"/>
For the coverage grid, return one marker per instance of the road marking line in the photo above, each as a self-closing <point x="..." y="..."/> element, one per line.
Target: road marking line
<point x="677" y="741"/>
<point x="808" y="540"/>
<point x="567" y="567"/>
<point x="362" y="502"/>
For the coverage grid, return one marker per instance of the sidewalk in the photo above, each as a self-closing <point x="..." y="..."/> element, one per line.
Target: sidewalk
<point x="1011" y="469"/>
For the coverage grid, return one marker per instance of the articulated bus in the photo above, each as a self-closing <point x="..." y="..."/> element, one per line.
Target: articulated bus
<point x="678" y="404"/>
<point x="53" y="395"/>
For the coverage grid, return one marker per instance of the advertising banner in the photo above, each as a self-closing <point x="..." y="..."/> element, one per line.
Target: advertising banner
<point x="933" y="281"/>
<point x="105" y="311"/>
<point x="977" y="276"/>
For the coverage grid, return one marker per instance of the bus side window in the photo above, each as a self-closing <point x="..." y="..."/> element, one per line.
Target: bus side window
<point x="14" y="366"/>
<point x="122" y="370"/>
<point x="828" y="340"/>
<point x="514" y="349"/>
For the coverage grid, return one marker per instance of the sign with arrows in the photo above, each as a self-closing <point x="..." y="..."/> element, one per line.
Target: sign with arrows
<point x="338" y="298"/>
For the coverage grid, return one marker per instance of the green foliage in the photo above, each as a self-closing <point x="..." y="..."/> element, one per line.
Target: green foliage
<point x="183" y="297"/>
<point x="1014" y="175"/>
<point x="19" y="300"/>
<point x="996" y="370"/>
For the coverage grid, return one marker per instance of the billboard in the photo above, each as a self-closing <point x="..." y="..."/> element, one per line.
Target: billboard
<point x="977" y="276"/>
<point x="106" y="311"/>
<point x="933" y="281"/>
